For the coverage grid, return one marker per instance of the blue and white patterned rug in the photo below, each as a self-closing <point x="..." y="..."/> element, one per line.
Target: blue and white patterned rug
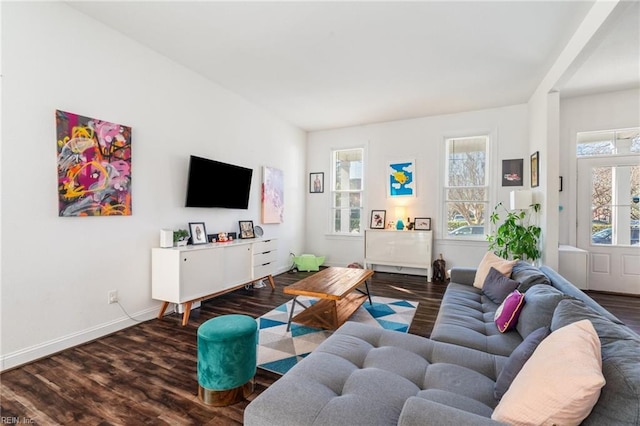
<point x="279" y="350"/>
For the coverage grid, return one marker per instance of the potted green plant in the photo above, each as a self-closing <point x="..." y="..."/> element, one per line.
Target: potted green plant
<point x="180" y="237"/>
<point x="515" y="238"/>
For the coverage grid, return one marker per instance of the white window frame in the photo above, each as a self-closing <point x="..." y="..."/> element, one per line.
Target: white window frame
<point x="488" y="186"/>
<point x="347" y="192"/>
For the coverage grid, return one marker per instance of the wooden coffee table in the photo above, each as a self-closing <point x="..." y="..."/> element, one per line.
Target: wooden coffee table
<point x="338" y="293"/>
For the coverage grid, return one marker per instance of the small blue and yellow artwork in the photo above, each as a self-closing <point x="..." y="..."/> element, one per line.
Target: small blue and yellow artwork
<point x="401" y="178"/>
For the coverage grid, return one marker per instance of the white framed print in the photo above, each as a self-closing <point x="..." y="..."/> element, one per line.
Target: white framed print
<point x="423" y="224"/>
<point x="401" y="179"/>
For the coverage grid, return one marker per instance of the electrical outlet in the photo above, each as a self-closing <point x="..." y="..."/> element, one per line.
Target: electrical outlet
<point x="113" y="296"/>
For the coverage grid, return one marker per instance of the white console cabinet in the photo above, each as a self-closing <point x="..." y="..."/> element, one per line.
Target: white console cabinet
<point x="402" y="249"/>
<point x="265" y="254"/>
<point x="193" y="273"/>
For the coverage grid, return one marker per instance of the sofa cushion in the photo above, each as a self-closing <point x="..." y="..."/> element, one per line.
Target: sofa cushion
<point x="497" y="286"/>
<point x="488" y="261"/>
<point x="506" y="317"/>
<point x="527" y="275"/>
<point x="461" y="381"/>
<point x="620" y="398"/>
<point x="420" y="411"/>
<point x="569" y="289"/>
<point x="517" y="359"/>
<point x="560" y="383"/>
<point x="466" y="318"/>
<point x="540" y="302"/>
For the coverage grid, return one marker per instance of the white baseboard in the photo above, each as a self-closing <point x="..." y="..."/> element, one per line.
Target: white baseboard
<point x="23" y="356"/>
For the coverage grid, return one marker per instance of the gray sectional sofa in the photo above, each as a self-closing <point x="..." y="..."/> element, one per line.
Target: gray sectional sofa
<point x="363" y="375"/>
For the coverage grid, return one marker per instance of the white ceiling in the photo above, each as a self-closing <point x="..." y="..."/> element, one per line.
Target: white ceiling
<point x="323" y="65"/>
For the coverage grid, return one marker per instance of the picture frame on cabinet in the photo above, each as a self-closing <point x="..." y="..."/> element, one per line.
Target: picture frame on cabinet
<point x="246" y="229"/>
<point x="378" y="218"/>
<point x="422" y="224"/>
<point x="198" y="233"/>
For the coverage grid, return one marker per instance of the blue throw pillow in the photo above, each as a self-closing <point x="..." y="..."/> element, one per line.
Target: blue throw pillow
<point x="497" y="287"/>
<point x="517" y="359"/>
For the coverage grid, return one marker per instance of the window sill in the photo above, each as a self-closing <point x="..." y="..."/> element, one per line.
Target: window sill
<point x="343" y="236"/>
<point x="463" y="241"/>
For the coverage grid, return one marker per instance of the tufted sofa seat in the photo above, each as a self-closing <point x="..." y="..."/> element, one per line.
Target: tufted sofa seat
<point x="365" y="375"/>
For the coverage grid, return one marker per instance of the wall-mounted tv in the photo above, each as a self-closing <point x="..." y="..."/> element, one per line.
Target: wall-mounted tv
<point x="215" y="184"/>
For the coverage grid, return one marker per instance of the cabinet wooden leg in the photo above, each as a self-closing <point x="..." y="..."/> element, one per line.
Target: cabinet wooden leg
<point x="162" y="309"/>
<point x="187" y="312"/>
<point x="271" y="282"/>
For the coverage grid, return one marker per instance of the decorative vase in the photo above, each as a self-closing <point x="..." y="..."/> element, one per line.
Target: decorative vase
<point x="399" y="225"/>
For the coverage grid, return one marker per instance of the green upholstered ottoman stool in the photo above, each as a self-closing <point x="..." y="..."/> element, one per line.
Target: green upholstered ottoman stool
<point x="226" y="359"/>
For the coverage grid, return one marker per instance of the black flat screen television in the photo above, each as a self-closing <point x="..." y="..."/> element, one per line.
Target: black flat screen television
<point x="215" y="184"/>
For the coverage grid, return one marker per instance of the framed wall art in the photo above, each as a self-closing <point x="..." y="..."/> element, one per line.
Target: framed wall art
<point x="401" y="179"/>
<point x="316" y="182"/>
<point x="198" y="233"/>
<point x="272" y="195"/>
<point x="378" y="218"/>
<point x="94" y="166"/>
<point x="535" y="169"/>
<point x="423" y="224"/>
<point x="246" y="229"/>
<point x="512" y="171"/>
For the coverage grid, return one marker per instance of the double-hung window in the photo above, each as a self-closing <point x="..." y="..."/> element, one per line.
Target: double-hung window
<point x="466" y="189"/>
<point x="346" y="191"/>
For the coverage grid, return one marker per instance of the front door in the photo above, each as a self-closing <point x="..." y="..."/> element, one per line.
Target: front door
<point x="608" y="213"/>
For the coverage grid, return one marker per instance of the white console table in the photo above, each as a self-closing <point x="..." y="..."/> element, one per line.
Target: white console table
<point x="198" y="272"/>
<point x="402" y="249"/>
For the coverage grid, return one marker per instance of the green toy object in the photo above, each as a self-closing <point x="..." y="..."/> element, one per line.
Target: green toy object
<point x="308" y="262"/>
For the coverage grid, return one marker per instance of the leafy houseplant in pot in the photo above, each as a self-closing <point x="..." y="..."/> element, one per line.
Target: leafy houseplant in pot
<point x="180" y="237"/>
<point x="515" y="238"/>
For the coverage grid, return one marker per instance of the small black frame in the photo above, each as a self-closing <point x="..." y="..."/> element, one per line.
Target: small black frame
<point x="246" y="229"/>
<point x="198" y="233"/>
<point x="316" y="182"/>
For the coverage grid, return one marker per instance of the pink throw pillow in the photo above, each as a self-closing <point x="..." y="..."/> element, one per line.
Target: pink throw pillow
<point x="508" y="312"/>
<point x="560" y="383"/>
<point x="491" y="260"/>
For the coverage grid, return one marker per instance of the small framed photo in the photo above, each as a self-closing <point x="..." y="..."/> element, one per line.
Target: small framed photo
<point x="535" y="170"/>
<point x="512" y="172"/>
<point x="378" y="219"/>
<point x="423" y="224"/>
<point x="198" y="233"/>
<point x="316" y="182"/>
<point x="246" y="229"/>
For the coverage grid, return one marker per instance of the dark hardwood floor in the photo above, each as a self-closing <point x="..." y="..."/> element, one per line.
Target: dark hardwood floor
<point x="146" y="374"/>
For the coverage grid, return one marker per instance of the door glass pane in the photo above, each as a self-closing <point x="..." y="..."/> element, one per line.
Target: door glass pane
<point x="615" y="205"/>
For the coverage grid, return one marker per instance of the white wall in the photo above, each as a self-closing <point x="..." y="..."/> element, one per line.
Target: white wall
<point x="606" y="111"/>
<point x="56" y="272"/>
<point x="544" y="122"/>
<point x="421" y="139"/>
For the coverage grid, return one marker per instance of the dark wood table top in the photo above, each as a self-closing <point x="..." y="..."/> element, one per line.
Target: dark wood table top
<point x="330" y="283"/>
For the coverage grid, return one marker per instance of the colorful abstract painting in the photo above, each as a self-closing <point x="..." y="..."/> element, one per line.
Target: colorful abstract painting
<point x="272" y="195"/>
<point x="94" y="166"/>
<point x="401" y="179"/>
